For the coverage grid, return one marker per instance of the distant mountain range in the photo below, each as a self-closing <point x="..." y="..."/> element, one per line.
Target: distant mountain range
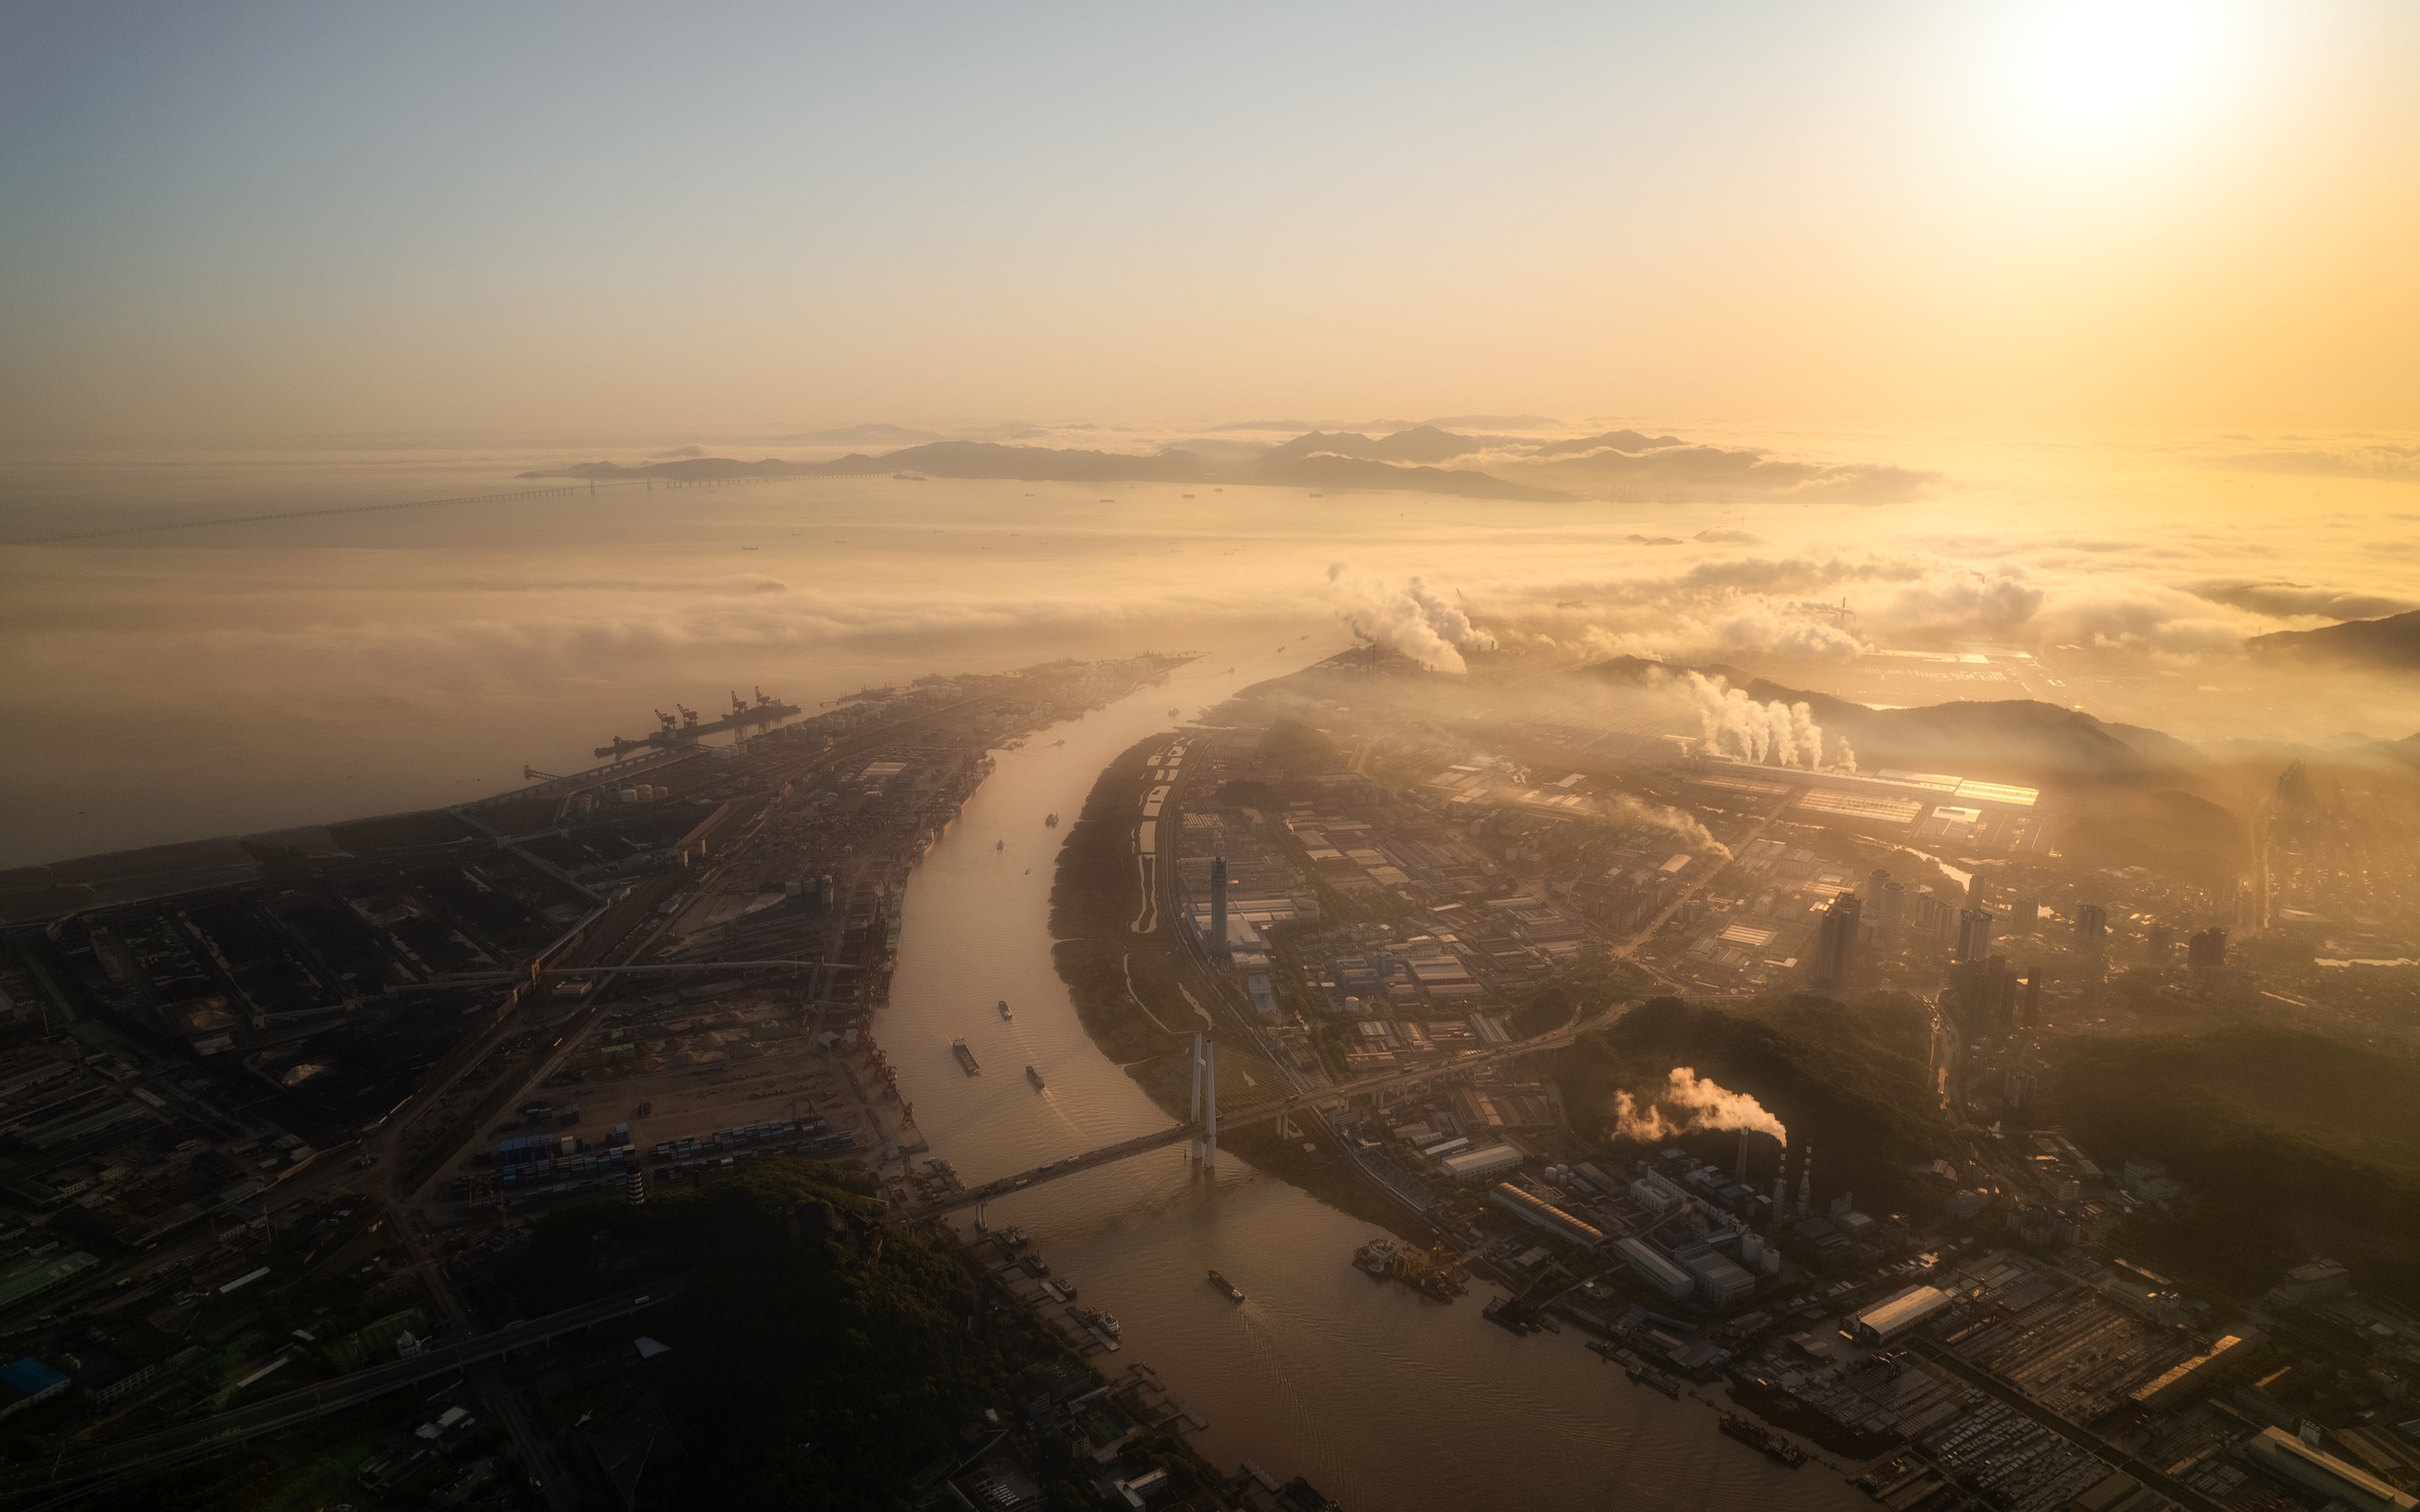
<point x="2389" y="643"/>
<point x="877" y="434"/>
<point x="1617" y="464"/>
<point x="1281" y="466"/>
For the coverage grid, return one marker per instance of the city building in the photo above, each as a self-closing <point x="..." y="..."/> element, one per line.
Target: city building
<point x="27" y="1382"/>
<point x="2091" y="926"/>
<point x="1836" y="943"/>
<point x="2206" y="951"/>
<point x="1974" y="935"/>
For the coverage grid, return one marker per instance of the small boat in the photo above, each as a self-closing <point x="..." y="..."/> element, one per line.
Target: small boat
<point x="1051" y="823"/>
<point x="1234" y="1293"/>
<point x="1094" y="1318"/>
<point x="966" y="1056"/>
<point x="1033" y="1261"/>
<point x="999" y="845"/>
<point x="1034" y="1077"/>
<point x="1175" y="713"/>
<point x="1004" y="1014"/>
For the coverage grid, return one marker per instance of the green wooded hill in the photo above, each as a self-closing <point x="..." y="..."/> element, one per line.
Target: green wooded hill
<point x="2292" y="1143"/>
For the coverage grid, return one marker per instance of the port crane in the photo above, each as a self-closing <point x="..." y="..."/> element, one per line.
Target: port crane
<point x="685" y="727"/>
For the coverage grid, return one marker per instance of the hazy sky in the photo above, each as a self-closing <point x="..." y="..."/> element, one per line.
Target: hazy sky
<point x="594" y="218"/>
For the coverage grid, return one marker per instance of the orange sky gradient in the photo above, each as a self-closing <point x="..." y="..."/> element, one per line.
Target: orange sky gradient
<point x="619" y="222"/>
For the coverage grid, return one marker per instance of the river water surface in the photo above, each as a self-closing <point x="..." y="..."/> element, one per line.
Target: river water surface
<point x="1382" y="1398"/>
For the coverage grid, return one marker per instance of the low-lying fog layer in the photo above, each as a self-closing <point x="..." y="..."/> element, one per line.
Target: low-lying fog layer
<point x="174" y="683"/>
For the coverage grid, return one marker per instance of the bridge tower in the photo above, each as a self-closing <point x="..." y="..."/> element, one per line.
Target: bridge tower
<point x="1205" y="1109"/>
<point x="1194" y="1114"/>
<point x="1210" y="1114"/>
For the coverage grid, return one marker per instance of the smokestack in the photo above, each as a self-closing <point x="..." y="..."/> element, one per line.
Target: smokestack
<point x="1806" y="1182"/>
<point x="1739" y="1164"/>
<point x="1781" y="1181"/>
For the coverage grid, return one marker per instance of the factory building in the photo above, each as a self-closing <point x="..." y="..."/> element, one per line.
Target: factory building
<point x="2311" y="1281"/>
<point x="2297" y="1463"/>
<point x="1653" y="1269"/>
<point x="2179" y="1379"/>
<point x="1888" y="1320"/>
<point x="1485" y="1161"/>
<point x="1720" y="1281"/>
<point x="1544" y="1216"/>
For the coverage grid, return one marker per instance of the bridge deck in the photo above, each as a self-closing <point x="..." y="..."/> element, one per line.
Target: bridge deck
<point x="1178" y="1133"/>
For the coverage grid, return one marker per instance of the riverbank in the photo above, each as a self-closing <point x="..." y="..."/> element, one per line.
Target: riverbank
<point x="1141" y="999"/>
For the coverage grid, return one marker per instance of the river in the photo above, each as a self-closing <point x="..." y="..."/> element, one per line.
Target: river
<point x="1380" y="1397"/>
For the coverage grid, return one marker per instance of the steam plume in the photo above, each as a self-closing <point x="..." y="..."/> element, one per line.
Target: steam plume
<point x="1689" y="1101"/>
<point x="1414" y="619"/>
<point x="1775" y="734"/>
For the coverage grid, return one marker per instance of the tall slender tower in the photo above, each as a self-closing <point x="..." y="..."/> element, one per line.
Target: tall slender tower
<point x="1806" y="1182"/>
<point x="1217" y="908"/>
<point x="1210" y="1113"/>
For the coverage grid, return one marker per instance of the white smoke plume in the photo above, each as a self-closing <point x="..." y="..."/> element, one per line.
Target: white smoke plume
<point x="1689" y="1101"/>
<point x="1620" y="807"/>
<point x="1775" y="734"/>
<point x="1413" y="619"/>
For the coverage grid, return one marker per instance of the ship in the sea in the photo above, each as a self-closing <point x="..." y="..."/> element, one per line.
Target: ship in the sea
<point x="681" y="730"/>
<point x="1094" y="1318"/>
<point x="1051" y="823"/>
<point x="966" y="1056"/>
<point x="1034" y="1077"/>
<point x="1004" y="1014"/>
<point x="1235" y="1292"/>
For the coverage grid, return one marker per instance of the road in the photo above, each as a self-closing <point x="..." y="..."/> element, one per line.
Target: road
<point x="153" y="1450"/>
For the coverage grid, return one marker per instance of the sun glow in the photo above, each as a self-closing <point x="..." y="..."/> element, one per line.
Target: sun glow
<point x="2108" y="76"/>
